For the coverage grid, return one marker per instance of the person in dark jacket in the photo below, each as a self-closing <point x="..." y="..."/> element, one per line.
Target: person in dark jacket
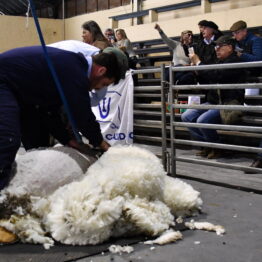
<point x="26" y="82"/>
<point x="225" y="53"/>
<point x="204" y="47"/>
<point x="249" y="46"/>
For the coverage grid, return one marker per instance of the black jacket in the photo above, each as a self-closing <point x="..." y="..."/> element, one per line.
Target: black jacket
<point x="224" y="76"/>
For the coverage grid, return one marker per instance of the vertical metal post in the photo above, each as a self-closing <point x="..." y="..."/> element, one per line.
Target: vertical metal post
<point x="163" y="117"/>
<point x="63" y="17"/>
<point x="172" y="118"/>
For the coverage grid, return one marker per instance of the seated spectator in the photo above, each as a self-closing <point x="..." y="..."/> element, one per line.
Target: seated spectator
<point x="225" y="53"/>
<point x="201" y="26"/>
<point x="110" y="35"/>
<point x="93" y="35"/>
<point x="204" y="49"/>
<point x="180" y="55"/>
<point x="123" y="41"/>
<point x="249" y="46"/>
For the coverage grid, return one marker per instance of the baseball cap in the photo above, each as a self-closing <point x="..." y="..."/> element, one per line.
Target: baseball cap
<point x="238" y="26"/>
<point x="121" y="59"/>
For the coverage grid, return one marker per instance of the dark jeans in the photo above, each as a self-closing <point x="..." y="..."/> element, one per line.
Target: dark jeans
<point x="10" y="132"/>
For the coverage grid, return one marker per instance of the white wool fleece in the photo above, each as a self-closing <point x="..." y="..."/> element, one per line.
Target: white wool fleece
<point x="129" y="170"/>
<point x="180" y="197"/>
<point x="80" y="214"/>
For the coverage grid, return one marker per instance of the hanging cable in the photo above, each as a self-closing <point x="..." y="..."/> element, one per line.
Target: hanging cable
<point x="54" y="75"/>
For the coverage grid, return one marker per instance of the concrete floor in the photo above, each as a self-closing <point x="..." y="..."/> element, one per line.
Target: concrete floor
<point x="240" y="213"/>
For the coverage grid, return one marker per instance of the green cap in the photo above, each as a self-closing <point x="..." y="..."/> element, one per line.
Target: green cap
<point x="121" y="59"/>
<point x="238" y="26"/>
<point x="225" y="39"/>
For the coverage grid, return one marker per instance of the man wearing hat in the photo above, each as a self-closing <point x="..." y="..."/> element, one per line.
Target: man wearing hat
<point x="225" y="53"/>
<point x="249" y="45"/>
<point x="204" y="48"/>
<point x="26" y="82"/>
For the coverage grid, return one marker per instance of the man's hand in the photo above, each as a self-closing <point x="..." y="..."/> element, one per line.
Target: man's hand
<point x="81" y="147"/>
<point x="104" y="145"/>
<point x="195" y="60"/>
<point x="157" y="27"/>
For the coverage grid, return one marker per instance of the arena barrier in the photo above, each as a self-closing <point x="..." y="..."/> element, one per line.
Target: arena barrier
<point x="169" y="110"/>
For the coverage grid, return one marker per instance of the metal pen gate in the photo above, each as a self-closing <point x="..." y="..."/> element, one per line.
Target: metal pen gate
<point x="165" y="91"/>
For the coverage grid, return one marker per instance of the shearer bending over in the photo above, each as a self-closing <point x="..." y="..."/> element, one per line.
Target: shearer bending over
<point x="26" y="84"/>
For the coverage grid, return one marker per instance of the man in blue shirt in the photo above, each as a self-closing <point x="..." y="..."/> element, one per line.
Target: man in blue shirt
<point x="249" y="46"/>
<point x="26" y="82"/>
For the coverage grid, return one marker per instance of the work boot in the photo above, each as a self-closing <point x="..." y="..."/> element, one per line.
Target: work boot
<point x="214" y="153"/>
<point x="203" y="152"/>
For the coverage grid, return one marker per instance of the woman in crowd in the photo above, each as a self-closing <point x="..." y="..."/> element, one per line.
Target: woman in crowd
<point x="125" y="45"/>
<point x="93" y="35"/>
<point x="180" y="54"/>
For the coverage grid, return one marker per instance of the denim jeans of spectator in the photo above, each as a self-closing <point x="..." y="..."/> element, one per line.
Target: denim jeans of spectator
<point x="10" y="134"/>
<point x="202" y="116"/>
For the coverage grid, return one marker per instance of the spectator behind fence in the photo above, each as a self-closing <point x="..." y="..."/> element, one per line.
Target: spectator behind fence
<point x="110" y="36"/>
<point x="123" y="41"/>
<point x="249" y="46"/>
<point x="93" y="35"/>
<point x="204" y="49"/>
<point x="225" y="53"/>
<point x="180" y="55"/>
<point x="201" y="26"/>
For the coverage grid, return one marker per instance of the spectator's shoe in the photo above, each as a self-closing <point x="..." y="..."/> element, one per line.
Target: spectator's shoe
<point x="203" y="152"/>
<point x="257" y="163"/>
<point x="214" y="153"/>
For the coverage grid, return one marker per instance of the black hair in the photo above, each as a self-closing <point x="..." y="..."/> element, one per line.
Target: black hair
<point x="109" y="61"/>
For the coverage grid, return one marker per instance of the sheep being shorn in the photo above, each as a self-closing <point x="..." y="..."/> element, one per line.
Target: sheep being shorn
<point x="125" y="192"/>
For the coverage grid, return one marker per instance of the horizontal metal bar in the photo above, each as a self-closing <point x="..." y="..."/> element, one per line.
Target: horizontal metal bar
<point x="148" y="138"/>
<point x="217" y="66"/>
<point x="144" y="71"/>
<point x="228" y="107"/>
<point x="217" y="164"/>
<point x="220" y="127"/>
<point x="147" y="88"/>
<point x="248" y="149"/>
<point x="149" y="113"/>
<point x="241" y="128"/>
<point x="147" y="105"/>
<point x="217" y="86"/>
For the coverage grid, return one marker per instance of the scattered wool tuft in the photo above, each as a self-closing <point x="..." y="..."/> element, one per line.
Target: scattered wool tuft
<point x="180" y="197"/>
<point x="120" y="249"/>
<point x="220" y="230"/>
<point x="168" y="236"/>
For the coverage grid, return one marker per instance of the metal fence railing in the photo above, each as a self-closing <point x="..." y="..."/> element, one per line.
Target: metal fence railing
<point x="167" y="121"/>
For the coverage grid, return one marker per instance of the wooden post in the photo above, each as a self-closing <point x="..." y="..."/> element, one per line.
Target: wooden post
<point x="205" y="6"/>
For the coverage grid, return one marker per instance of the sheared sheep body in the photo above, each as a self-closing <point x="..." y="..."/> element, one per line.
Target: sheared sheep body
<point x="125" y="191"/>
